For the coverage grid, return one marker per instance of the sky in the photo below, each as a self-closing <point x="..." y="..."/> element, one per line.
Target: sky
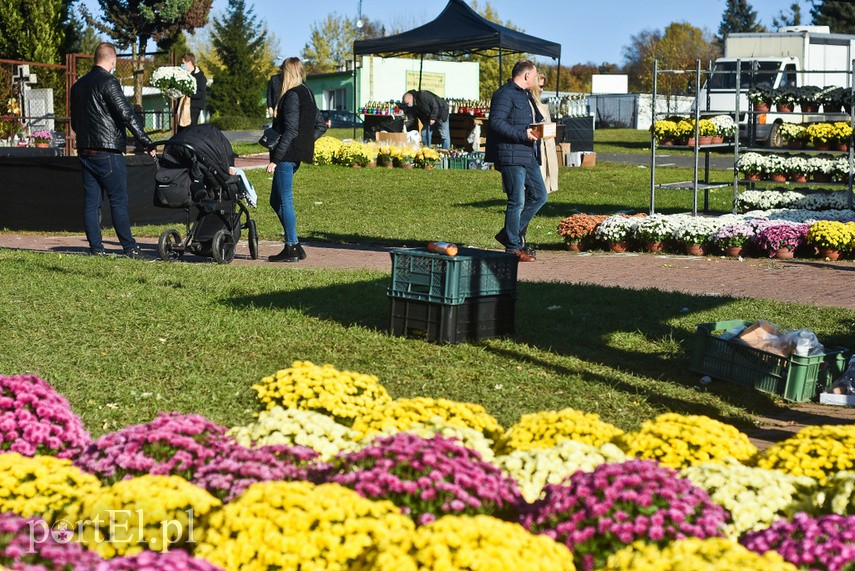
<point x="588" y="30"/>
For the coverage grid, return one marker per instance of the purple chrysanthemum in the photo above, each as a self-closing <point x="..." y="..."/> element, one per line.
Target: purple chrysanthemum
<point x="35" y="419"/>
<point x="428" y="478"/>
<point x="171" y="444"/>
<point x="153" y="561"/>
<point x="598" y="513"/>
<point x="27" y="544"/>
<point x="826" y="543"/>
<point x="235" y="468"/>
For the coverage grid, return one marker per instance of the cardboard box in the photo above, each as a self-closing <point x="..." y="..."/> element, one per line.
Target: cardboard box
<point x="544" y="130"/>
<point x="396" y="138"/>
<point x="838" y="400"/>
<point x="763" y="336"/>
<point x="589" y="159"/>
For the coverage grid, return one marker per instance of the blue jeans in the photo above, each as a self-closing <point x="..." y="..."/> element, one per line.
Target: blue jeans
<point x="526" y="195"/>
<point x="106" y="173"/>
<point x="442" y="129"/>
<point x="282" y="199"/>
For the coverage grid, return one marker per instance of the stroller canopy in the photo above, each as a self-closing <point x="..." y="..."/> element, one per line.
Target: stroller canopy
<point x="207" y="143"/>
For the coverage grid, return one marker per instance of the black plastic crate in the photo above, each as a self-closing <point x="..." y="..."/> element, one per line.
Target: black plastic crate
<point x="474" y="319"/>
<point x="428" y="276"/>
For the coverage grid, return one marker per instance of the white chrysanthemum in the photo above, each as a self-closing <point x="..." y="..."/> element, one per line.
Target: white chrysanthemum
<point x="468" y="437"/>
<point x="301" y="427"/>
<point x="533" y="469"/>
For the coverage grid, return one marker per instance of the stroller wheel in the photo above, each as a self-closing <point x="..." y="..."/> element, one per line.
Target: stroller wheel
<point x="223" y="247"/>
<point x="169" y="245"/>
<point x="252" y="237"/>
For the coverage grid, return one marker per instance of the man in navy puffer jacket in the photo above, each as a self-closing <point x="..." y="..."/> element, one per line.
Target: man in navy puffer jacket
<point x="511" y="146"/>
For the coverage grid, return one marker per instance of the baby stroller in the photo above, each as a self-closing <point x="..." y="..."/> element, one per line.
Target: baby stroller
<point x="193" y="172"/>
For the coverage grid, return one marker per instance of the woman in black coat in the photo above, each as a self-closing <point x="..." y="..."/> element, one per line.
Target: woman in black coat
<point x="299" y="122"/>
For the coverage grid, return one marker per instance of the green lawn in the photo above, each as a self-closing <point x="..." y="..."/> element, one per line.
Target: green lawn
<point x="408" y="207"/>
<point x="123" y="340"/>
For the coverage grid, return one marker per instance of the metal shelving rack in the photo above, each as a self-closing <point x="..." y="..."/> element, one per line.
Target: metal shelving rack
<point x="695" y="184"/>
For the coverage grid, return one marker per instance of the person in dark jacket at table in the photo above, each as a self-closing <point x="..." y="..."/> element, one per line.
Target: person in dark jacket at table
<point x="100" y="112"/>
<point x="300" y="124"/>
<point x="513" y="147"/>
<point x="432" y="111"/>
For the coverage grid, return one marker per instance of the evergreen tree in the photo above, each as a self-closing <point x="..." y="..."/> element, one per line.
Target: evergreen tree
<point x="32" y="30"/>
<point x="794" y="18"/>
<point x="738" y="16"/>
<point x="240" y="79"/>
<point x="839" y="15"/>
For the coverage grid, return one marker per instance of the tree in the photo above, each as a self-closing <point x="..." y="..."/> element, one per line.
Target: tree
<point x="794" y="18"/>
<point x="134" y="22"/>
<point x="839" y="15"/>
<point x="677" y="49"/>
<point x="330" y="42"/>
<point x="240" y="78"/>
<point x="738" y="16"/>
<point x="32" y="30"/>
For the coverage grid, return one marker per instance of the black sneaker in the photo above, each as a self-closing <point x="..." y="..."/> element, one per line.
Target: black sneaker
<point x="97" y="252"/>
<point x="301" y="253"/>
<point x="138" y="254"/>
<point x="529" y="250"/>
<point x="288" y="254"/>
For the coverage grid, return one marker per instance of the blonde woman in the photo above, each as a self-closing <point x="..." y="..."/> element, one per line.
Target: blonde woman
<point x="548" y="156"/>
<point x="299" y="122"/>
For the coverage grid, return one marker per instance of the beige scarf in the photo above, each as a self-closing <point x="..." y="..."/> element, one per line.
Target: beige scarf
<point x="183" y="113"/>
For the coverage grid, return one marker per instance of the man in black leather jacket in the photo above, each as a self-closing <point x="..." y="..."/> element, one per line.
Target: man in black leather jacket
<point x="99" y="114"/>
<point x="432" y="111"/>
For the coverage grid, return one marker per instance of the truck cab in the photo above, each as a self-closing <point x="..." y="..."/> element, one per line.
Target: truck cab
<point x="719" y="92"/>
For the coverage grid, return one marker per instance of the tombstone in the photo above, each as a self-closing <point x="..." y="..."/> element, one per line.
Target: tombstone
<point x="38" y="107"/>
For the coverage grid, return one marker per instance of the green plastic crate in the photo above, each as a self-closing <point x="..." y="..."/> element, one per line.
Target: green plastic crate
<point x="459" y="163"/>
<point x="794" y="378"/>
<point x="422" y="275"/>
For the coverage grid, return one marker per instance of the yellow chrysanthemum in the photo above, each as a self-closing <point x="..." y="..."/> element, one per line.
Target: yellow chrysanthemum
<point x="815" y="451"/>
<point x="42" y="485"/>
<point x="545" y="429"/>
<point x="149" y="512"/>
<point x="461" y="543"/>
<point x="342" y="395"/>
<point x="400" y="414"/>
<point x="297" y="525"/>
<point x="693" y="554"/>
<point x="468" y="437"/>
<point x="678" y="441"/>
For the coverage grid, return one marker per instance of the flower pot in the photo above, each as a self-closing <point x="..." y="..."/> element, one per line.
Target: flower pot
<point x="762" y="107"/>
<point x="654" y="246"/>
<point x="428" y="167"/>
<point x="407" y="166"/>
<point x="798" y="178"/>
<point x="696" y="250"/>
<point x="842" y="146"/>
<point x="795" y="144"/>
<point x="778" y="177"/>
<point x="619" y="247"/>
<point x="733" y="251"/>
<point x="810" y="107"/>
<point x="785" y="107"/>
<point x="717" y="140"/>
<point x="47" y="145"/>
<point x="667" y="142"/>
<point x="752" y="176"/>
<point x="356" y="166"/>
<point x="784" y="253"/>
<point x="822" y="146"/>
<point x="705" y="140"/>
<point x="574" y="246"/>
<point x="691" y="142"/>
<point x="832" y="255"/>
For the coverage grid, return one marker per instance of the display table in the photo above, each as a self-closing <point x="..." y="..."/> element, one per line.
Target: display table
<point x="461" y="125"/>
<point x="373" y="123"/>
<point x="45" y="194"/>
<point x="29" y="152"/>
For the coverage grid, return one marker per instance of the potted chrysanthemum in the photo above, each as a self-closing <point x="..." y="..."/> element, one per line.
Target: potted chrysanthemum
<point x="731" y="239"/>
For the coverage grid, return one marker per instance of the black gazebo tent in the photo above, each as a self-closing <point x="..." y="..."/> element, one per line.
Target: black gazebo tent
<point x="457" y="31"/>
